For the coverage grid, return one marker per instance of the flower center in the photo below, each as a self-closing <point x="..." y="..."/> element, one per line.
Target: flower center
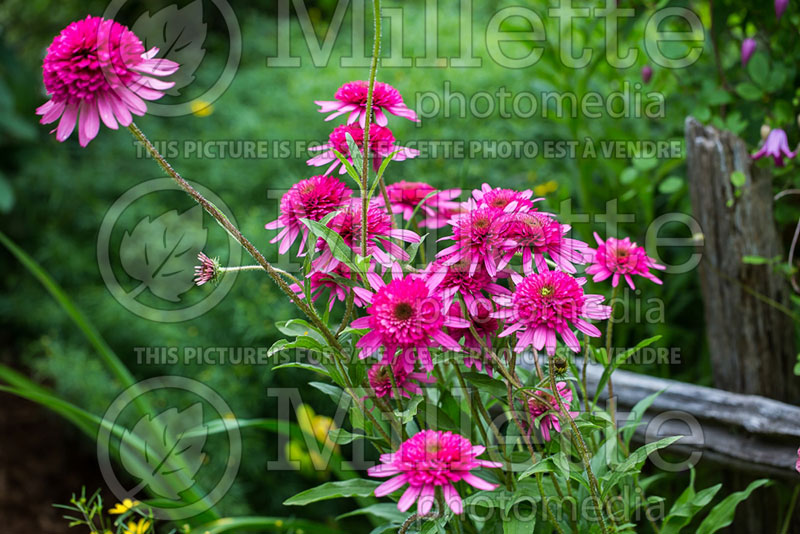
<point x="546" y="291"/>
<point x="403" y="311"/>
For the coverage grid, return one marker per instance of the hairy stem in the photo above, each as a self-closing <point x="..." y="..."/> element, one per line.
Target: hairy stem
<point x="376" y="51"/>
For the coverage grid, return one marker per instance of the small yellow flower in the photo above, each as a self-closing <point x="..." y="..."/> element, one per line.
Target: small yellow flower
<point x="201" y="108"/>
<point x="138" y="528"/>
<point x="123" y="506"/>
<point x="545" y="188"/>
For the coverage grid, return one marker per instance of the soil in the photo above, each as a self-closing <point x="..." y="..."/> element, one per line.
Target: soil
<point x="42" y="461"/>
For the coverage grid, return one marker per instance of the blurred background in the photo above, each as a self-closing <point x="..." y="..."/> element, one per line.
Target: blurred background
<point x="54" y="197"/>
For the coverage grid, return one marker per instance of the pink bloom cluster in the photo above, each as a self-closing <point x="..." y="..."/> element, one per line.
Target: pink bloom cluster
<point x="352" y="98"/>
<point x="98" y="70"/>
<point x="429" y="460"/>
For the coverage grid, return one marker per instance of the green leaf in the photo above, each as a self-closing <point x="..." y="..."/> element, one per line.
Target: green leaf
<point x="384" y="511"/>
<point x="355" y="153"/>
<point x="738" y="178"/>
<point x="335" y="393"/>
<point x="634" y="462"/>
<point x="636" y="415"/>
<point x="487" y="384"/>
<point x="341" y="436"/>
<point x="619" y="359"/>
<point x="758" y="69"/>
<point x="722" y="514"/>
<point x="519" y="525"/>
<point x="339" y="249"/>
<point x="355" y="487"/>
<point x="670" y="185"/>
<point x="411" y="411"/>
<point x="305" y="366"/>
<point x="748" y="91"/>
<point x="348" y="166"/>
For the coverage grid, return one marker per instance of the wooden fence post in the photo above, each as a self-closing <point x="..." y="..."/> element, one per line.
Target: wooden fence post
<point x="751" y="341"/>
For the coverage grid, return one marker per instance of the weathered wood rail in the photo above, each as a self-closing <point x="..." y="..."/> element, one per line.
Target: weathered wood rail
<point x="746" y="432"/>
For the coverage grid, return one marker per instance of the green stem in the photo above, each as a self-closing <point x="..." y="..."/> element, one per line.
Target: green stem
<point x="609" y="331"/>
<point x="790" y="510"/>
<point x="376" y="51"/>
<point x="593" y="486"/>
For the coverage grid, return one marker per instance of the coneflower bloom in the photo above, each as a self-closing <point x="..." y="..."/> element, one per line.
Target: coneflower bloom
<point x="381" y="145"/>
<point x="406" y="314"/>
<point x="428" y="460"/>
<point x="547" y="412"/>
<point x="333" y="281"/>
<point x="481" y="238"/>
<point x="507" y="200"/>
<point x="548" y="304"/>
<point x="536" y="234"/>
<point x="312" y="198"/>
<point x="380" y="380"/>
<point x="347" y="223"/>
<point x="207" y="271"/>
<point x="776" y="146"/>
<point x="98" y="70"/>
<point x="617" y="258"/>
<point x="352" y="98"/>
<point x="462" y="279"/>
<point x="436" y="209"/>
<point x="485" y="326"/>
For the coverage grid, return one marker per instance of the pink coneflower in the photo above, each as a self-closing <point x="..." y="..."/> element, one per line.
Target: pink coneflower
<point x="381" y="144"/>
<point x="776" y="146"/>
<point x="333" y="281"/>
<point x="485" y="326"/>
<point x="507" y="200"/>
<point x="406" y="314"/>
<point x="547" y="304"/>
<point x="207" y="271"/>
<point x="462" y="279"/>
<point x="797" y="465"/>
<point x="437" y="209"/>
<point x="621" y="257"/>
<point x="427" y="460"/>
<point x="537" y="234"/>
<point x="347" y="223"/>
<point x="481" y="237"/>
<point x="95" y="70"/>
<point x="548" y="411"/>
<point x="748" y="48"/>
<point x="352" y="98"/>
<point x="312" y="198"/>
<point x="380" y="380"/>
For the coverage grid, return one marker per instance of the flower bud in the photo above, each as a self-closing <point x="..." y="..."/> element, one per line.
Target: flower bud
<point x="765" y="129"/>
<point x="647" y="73"/>
<point x="780" y="7"/>
<point x="748" y="48"/>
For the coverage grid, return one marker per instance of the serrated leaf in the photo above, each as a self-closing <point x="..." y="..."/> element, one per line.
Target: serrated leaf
<point x="354" y="487"/>
<point x="161" y="253"/>
<point x="172" y="454"/>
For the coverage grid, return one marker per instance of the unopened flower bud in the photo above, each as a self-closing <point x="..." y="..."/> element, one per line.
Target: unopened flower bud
<point x="647" y="73"/>
<point x="780" y="7"/>
<point x="560" y="365"/>
<point x="765" y="129"/>
<point x="748" y="48"/>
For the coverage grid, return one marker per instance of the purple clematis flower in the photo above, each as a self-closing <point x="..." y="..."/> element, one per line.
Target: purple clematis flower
<point x="748" y="48"/>
<point x="776" y="146"/>
<point x="780" y="7"/>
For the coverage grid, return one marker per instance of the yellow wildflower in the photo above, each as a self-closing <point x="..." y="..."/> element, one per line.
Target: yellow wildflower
<point x="138" y="528"/>
<point x="124" y="506"/>
<point x="201" y="108"/>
